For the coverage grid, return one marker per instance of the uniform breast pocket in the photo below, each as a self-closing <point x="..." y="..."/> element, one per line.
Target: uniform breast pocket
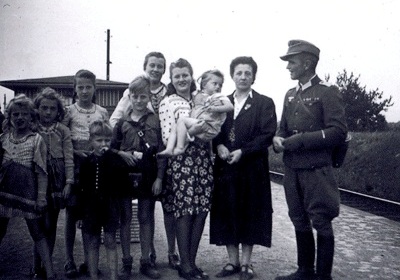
<point x="314" y="106"/>
<point x="311" y="102"/>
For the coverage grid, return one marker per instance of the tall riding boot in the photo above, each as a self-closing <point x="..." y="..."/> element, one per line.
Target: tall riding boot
<point x="305" y="251"/>
<point x="325" y="252"/>
<point x="305" y="257"/>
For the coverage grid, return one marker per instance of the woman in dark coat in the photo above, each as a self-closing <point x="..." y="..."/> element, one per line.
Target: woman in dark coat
<point x="241" y="211"/>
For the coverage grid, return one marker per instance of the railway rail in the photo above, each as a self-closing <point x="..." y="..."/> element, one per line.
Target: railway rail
<point x="371" y="204"/>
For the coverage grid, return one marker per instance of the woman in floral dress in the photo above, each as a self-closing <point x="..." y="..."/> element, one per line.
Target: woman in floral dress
<point x="190" y="174"/>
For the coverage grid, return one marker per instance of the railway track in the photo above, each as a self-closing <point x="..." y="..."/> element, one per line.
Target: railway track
<point x="374" y="205"/>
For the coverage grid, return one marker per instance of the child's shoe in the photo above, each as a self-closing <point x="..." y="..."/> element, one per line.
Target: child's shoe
<point x="174" y="261"/>
<point x="126" y="269"/>
<point x="54" y="277"/>
<point x="70" y="270"/>
<point x="37" y="273"/>
<point x="84" y="269"/>
<point x="153" y="258"/>
<point x="148" y="270"/>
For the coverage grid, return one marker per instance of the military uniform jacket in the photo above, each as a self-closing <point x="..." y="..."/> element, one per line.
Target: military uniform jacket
<point x="317" y="113"/>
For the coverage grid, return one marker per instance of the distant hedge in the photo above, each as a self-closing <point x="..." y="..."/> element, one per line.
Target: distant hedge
<point x="372" y="164"/>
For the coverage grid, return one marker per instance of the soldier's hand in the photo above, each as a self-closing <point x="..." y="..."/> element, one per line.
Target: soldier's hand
<point x="293" y="142"/>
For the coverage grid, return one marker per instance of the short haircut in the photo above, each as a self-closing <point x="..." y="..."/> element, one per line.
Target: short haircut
<point x="206" y="76"/>
<point x="140" y="84"/>
<point x="310" y="57"/>
<point x="100" y="128"/>
<point x="51" y="94"/>
<point x="154" y="54"/>
<point x="244" y="60"/>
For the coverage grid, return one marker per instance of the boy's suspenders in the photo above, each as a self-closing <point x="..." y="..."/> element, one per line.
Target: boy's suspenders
<point x="141" y="132"/>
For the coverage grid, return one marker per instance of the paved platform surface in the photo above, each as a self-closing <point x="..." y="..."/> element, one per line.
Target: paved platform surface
<point x="367" y="247"/>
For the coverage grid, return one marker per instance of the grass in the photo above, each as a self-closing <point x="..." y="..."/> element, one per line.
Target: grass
<point x="372" y="164"/>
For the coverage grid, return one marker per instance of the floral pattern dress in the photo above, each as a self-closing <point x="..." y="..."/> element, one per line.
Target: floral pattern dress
<point x="190" y="175"/>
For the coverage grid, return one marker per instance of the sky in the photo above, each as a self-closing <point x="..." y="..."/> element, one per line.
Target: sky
<point x="42" y="38"/>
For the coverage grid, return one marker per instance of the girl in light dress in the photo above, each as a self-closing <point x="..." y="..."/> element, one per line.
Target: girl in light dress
<point x="23" y="175"/>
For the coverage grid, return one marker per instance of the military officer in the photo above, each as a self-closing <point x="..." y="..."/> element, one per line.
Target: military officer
<point x="312" y="123"/>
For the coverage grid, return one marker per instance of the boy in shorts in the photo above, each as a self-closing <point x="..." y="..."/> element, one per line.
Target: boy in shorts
<point x="103" y="175"/>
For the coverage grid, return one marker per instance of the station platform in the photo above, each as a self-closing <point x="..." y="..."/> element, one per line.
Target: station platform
<point x="367" y="247"/>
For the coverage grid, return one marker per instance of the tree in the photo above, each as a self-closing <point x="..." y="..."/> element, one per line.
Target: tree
<point x="363" y="108"/>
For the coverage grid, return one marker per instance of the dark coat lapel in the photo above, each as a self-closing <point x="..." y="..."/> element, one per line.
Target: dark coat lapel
<point x="248" y="105"/>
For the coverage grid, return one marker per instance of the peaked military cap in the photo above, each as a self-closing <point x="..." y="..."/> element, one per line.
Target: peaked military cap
<point x="300" y="46"/>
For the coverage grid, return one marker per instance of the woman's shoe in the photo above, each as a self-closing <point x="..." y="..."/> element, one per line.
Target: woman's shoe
<point x="228" y="270"/>
<point x="174" y="261"/>
<point x="185" y="275"/>
<point x="191" y="275"/>
<point x="198" y="273"/>
<point x="246" y="272"/>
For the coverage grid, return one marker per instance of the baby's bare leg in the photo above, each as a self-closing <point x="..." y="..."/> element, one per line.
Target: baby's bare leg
<point x="169" y="149"/>
<point x="196" y="127"/>
<point x="185" y="126"/>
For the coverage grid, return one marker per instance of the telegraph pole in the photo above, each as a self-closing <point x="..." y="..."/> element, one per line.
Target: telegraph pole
<point x="108" y="55"/>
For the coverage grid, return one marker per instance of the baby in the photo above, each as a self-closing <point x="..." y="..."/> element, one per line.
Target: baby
<point x="206" y="118"/>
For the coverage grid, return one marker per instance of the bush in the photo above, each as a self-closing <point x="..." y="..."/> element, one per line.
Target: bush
<point x="372" y="164"/>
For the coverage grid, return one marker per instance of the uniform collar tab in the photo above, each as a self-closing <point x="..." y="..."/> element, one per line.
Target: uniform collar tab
<point x="313" y="81"/>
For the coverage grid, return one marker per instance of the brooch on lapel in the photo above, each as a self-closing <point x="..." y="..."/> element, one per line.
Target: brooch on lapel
<point x="247" y="106"/>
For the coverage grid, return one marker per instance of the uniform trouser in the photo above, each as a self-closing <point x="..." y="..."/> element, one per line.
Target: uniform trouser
<point x="313" y="198"/>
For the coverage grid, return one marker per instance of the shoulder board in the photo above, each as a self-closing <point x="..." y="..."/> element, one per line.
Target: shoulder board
<point x="325" y="83"/>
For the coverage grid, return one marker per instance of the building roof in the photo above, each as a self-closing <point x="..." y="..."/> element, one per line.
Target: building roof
<point x="56" y="83"/>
